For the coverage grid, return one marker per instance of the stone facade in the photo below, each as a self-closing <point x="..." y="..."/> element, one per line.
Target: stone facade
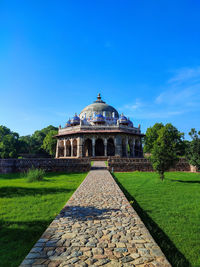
<point x="99" y="131"/>
<point x="142" y="164"/>
<point x="49" y="165"/>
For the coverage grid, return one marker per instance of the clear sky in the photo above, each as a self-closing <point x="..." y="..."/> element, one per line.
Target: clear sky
<point x="142" y="56"/>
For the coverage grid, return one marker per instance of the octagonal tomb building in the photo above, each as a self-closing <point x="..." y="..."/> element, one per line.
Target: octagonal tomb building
<point x="99" y="132"/>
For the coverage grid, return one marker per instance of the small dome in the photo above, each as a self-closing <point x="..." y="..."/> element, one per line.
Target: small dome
<point x="99" y="107"/>
<point x="68" y="123"/>
<point x="99" y="118"/>
<point x="75" y="120"/>
<point x="130" y="123"/>
<point x="123" y="120"/>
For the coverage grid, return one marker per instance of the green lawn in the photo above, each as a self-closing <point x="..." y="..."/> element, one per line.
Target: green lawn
<point x="26" y="209"/>
<point x="170" y="210"/>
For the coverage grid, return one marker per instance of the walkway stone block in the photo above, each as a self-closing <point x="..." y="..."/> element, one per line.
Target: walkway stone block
<point x="96" y="227"/>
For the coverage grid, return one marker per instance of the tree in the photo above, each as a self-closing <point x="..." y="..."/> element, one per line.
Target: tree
<point x="151" y="136"/>
<point x="193" y="151"/>
<point x="9" y="143"/>
<point x="34" y="144"/>
<point x="49" y="142"/>
<point x="164" y="151"/>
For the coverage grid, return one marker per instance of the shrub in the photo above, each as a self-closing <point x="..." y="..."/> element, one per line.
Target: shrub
<point x="34" y="175"/>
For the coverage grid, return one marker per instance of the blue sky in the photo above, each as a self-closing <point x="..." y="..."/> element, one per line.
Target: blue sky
<point x="142" y="56"/>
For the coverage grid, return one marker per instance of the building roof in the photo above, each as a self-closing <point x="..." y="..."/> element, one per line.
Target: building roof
<point x="98" y="107"/>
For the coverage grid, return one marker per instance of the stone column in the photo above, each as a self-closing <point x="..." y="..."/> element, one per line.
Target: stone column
<point x="65" y="149"/>
<point x="93" y="146"/>
<point x="71" y="140"/>
<point x="105" y="147"/>
<point x="57" y="148"/>
<point x="78" y="147"/>
<point x="115" y="144"/>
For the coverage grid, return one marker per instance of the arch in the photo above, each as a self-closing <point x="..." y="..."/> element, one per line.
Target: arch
<point x="124" y="148"/>
<point x="87" y="148"/>
<point x="110" y="147"/>
<point x="99" y="147"/>
<point x="61" y="148"/>
<point x="68" y="148"/>
<point x="137" y="148"/>
<point x="74" y="144"/>
<point x="130" y="148"/>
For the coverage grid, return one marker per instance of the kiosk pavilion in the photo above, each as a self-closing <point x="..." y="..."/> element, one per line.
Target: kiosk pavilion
<point x="99" y="131"/>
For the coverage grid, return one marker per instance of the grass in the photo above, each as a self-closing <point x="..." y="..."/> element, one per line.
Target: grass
<point x="170" y="210"/>
<point x="28" y="208"/>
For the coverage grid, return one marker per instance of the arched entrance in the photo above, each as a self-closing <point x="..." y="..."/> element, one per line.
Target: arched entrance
<point x="74" y="148"/>
<point x="110" y="147"/>
<point x="61" y="149"/>
<point x="87" y="148"/>
<point x="124" y="148"/>
<point x="68" y="148"/>
<point x="130" y="148"/>
<point x="137" y="148"/>
<point x="99" y="147"/>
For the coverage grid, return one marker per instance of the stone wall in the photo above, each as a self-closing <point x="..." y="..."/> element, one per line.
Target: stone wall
<point x="49" y="165"/>
<point x="141" y="164"/>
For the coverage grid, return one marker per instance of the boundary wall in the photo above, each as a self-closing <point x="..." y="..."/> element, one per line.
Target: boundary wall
<point x="143" y="164"/>
<point x="49" y="165"/>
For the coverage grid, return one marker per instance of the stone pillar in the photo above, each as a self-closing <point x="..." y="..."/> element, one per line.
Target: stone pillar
<point x="115" y="144"/>
<point x="57" y="148"/>
<point x="93" y="147"/>
<point x="65" y="149"/>
<point x="78" y="148"/>
<point x="105" y="147"/>
<point x="71" y="140"/>
<point x="81" y="147"/>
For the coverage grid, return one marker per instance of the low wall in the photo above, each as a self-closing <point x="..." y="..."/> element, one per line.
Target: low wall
<point x="141" y="164"/>
<point x="49" y="165"/>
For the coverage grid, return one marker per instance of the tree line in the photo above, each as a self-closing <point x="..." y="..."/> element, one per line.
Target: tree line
<point x="165" y="145"/>
<point x="40" y="144"/>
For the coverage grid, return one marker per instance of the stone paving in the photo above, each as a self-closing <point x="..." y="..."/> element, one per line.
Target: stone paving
<point x="97" y="227"/>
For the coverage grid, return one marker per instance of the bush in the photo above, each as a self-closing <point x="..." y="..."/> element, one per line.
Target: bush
<point x="34" y="175"/>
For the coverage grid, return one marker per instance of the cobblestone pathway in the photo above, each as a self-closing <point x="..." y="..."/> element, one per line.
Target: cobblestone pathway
<point x="97" y="227"/>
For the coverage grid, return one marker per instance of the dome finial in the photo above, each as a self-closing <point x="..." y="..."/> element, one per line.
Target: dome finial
<point x="99" y="96"/>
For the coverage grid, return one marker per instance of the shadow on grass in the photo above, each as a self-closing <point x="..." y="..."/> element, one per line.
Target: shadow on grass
<point x="187" y="182"/>
<point x="9" y="191"/>
<point x="175" y="257"/>
<point x="80" y="213"/>
<point x="9" y="176"/>
<point x="17" y="238"/>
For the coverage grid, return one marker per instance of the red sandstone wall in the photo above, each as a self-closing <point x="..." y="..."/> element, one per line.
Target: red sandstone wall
<point x="141" y="164"/>
<point x="49" y="165"/>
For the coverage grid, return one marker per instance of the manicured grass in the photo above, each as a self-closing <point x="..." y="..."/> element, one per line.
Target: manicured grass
<point x="170" y="210"/>
<point x="26" y="209"/>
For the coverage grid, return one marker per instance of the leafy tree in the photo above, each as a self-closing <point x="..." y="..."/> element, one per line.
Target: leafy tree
<point x="151" y="137"/>
<point x="9" y="143"/>
<point x="49" y="142"/>
<point x="26" y="144"/>
<point x="164" y="151"/>
<point x="34" y="144"/>
<point x="193" y="151"/>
